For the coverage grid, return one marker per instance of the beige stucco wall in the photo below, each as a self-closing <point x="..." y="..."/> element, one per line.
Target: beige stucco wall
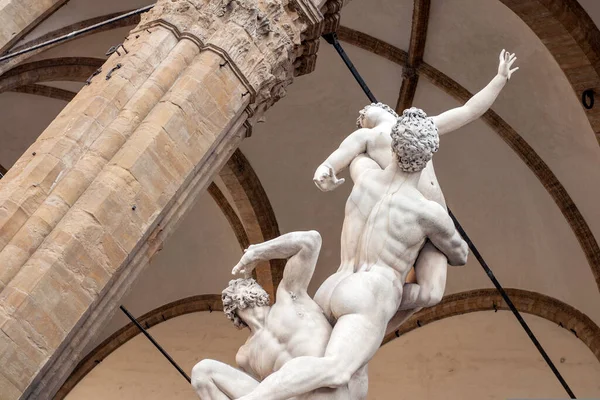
<point x="481" y="355"/>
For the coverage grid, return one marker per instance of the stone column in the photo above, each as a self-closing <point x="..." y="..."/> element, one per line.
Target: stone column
<point x="92" y="200"/>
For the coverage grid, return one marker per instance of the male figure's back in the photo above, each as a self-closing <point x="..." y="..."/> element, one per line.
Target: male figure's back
<point x="386" y="223"/>
<point x="393" y="214"/>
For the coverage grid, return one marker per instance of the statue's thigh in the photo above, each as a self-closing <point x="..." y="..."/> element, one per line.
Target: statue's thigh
<point x="231" y="381"/>
<point x="432" y="271"/>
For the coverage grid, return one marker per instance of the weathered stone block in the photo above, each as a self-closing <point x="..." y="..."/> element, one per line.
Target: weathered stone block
<point x="31" y="273"/>
<point x="54" y="208"/>
<point x="63" y="301"/>
<point x="12" y="217"/>
<point x="34" y="317"/>
<point x="17" y="367"/>
<point x="7" y="388"/>
<point x="11" y="258"/>
<point x="114" y="253"/>
<point x="30" y="345"/>
<point x="11" y="299"/>
<point x="104" y="110"/>
<point x="82" y="264"/>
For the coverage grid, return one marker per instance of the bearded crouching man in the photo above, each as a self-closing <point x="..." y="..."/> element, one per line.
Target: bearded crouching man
<point x="294" y="326"/>
<point x="373" y="140"/>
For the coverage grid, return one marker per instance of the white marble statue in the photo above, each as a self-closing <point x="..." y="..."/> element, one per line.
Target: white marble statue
<point x="294" y="326"/>
<point x="387" y="222"/>
<point x="373" y="139"/>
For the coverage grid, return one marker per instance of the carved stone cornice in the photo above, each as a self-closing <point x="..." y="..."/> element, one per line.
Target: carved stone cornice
<point x="331" y="12"/>
<point x="267" y="42"/>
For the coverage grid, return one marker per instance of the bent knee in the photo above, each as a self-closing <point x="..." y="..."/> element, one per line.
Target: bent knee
<point x="202" y="373"/>
<point x="435" y="298"/>
<point x="429" y="297"/>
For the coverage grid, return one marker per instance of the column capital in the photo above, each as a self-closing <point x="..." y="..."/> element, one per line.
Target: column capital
<point x="266" y="42"/>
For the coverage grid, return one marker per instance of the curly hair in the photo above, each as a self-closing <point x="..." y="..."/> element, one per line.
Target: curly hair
<point x="414" y="140"/>
<point x="240" y="294"/>
<point x="363" y="112"/>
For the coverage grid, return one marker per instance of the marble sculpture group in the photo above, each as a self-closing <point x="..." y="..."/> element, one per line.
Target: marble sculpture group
<point x="395" y="218"/>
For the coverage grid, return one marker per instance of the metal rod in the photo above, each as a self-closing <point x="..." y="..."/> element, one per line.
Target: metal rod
<point x="332" y="39"/>
<point x="510" y="304"/>
<point x="76" y="33"/>
<point x="151" y="339"/>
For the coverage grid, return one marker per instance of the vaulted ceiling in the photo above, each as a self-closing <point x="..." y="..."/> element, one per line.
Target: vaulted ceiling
<point x="522" y="180"/>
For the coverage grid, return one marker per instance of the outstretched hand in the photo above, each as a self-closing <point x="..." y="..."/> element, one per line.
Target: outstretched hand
<point x="247" y="263"/>
<point x="506" y="61"/>
<point x="325" y="178"/>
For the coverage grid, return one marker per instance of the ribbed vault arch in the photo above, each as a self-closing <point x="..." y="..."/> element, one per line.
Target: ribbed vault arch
<point x="533" y="303"/>
<point x="229" y="212"/>
<point x="20" y="16"/>
<point x="571" y="37"/>
<point x="563" y="26"/>
<point x="256" y="213"/>
<point x="46" y="91"/>
<point x="562" y="314"/>
<point x="207" y="302"/>
<point x="130" y="21"/>
<point x="75" y="69"/>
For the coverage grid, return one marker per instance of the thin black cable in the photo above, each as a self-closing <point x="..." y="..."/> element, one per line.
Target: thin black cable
<point x="510" y="304"/>
<point x="332" y="39"/>
<point x="76" y="33"/>
<point x="164" y="353"/>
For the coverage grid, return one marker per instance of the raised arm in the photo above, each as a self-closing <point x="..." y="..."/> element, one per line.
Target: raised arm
<point x="302" y="249"/>
<point x="477" y="106"/>
<point x="442" y="233"/>
<point x="356" y="143"/>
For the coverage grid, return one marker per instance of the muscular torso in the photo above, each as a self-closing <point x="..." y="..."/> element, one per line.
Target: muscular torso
<point x="382" y="224"/>
<point x="294" y="327"/>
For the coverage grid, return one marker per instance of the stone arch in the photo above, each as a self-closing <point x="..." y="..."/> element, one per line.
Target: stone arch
<point x="533" y="303"/>
<point x="129" y="21"/>
<point x="76" y="69"/>
<point x="207" y="302"/>
<point x="256" y="214"/>
<point x="20" y="17"/>
<point x="571" y="37"/>
<point x="46" y="91"/>
<point x="543" y="306"/>
<point x="563" y="26"/>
